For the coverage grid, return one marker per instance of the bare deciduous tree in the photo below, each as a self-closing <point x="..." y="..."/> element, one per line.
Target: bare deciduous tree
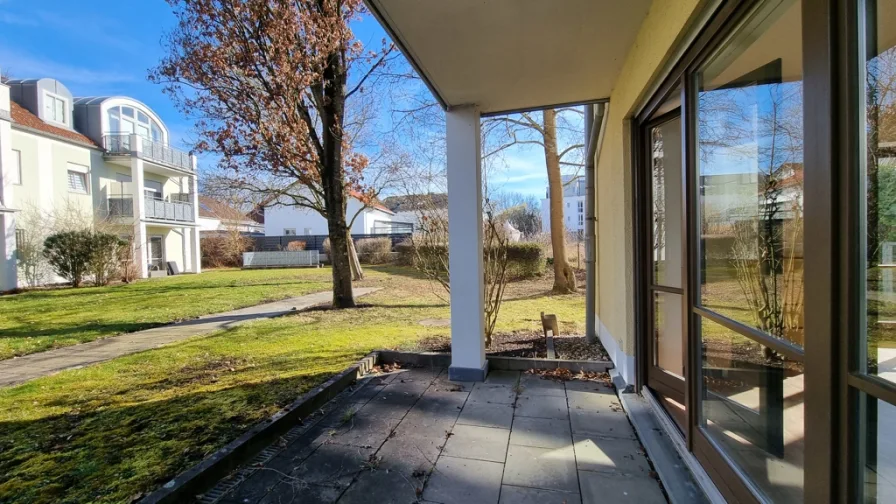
<point x="269" y="82"/>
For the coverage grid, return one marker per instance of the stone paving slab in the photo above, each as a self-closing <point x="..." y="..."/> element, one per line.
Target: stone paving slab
<point x="545" y="468"/>
<point x="602" y="454"/>
<point x="540" y="432"/>
<point x="480" y="443"/>
<point x="487" y="393"/>
<point x="521" y="495"/>
<point x="602" y="487"/>
<point x="487" y="415"/>
<point x="464" y="481"/>
<point x="421" y="438"/>
<point x="28" y="367"/>
<point x="542" y="407"/>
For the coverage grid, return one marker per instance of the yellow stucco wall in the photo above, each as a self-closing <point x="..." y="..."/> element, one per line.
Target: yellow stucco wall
<point x="659" y="35"/>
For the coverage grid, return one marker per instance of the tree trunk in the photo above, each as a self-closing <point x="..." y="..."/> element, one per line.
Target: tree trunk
<point x="564" y="277"/>
<point x="333" y="181"/>
<point x="357" y="272"/>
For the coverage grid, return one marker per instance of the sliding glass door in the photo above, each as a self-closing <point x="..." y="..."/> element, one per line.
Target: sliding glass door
<point x="748" y="305"/>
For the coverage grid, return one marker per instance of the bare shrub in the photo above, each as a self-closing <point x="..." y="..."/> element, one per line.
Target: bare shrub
<point x="103" y="262"/>
<point x="225" y="250"/>
<point x="375" y="250"/>
<point x="295" y="246"/>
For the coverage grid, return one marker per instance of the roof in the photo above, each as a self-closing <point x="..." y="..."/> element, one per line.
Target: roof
<point x="505" y="55"/>
<point x="373" y="204"/>
<point x="23" y="117"/>
<point x="354" y="194"/>
<point x="411" y="202"/>
<point x="211" y="208"/>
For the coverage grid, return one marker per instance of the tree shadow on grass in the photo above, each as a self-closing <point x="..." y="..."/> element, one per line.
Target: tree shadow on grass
<point x="117" y="453"/>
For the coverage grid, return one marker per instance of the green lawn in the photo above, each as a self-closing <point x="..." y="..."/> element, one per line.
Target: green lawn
<point x="43" y="319"/>
<point x="114" y="431"/>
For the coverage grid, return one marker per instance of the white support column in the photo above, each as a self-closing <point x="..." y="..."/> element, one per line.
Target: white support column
<point x="195" y="252"/>
<point x="8" y="272"/>
<point x="465" y="245"/>
<point x="139" y="199"/>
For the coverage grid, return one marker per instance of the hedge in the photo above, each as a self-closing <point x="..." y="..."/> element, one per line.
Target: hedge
<point x="524" y="260"/>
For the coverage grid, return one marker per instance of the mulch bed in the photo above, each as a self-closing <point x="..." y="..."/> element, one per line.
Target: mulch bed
<point x="525" y="344"/>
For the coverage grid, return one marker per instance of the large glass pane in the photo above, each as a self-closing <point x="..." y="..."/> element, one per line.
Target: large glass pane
<point x="667" y="328"/>
<point x="879" y="179"/>
<point x="752" y="408"/>
<point x="750" y="162"/>
<point x="666" y="180"/>
<point x="878" y="454"/>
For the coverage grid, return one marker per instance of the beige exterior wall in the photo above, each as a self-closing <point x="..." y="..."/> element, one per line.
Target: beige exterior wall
<point x="45" y="164"/>
<point x="659" y="35"/>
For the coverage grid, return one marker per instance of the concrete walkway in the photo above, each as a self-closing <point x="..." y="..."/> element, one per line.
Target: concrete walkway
<point x="414" y="436"/>
<point x="29" y="367"/>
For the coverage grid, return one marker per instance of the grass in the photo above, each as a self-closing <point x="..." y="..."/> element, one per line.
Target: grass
<point x="44" y="319"/>
<point x="114" y="431"/>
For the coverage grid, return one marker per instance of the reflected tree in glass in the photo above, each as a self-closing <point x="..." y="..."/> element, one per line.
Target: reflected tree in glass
<point x="757" y="123"/>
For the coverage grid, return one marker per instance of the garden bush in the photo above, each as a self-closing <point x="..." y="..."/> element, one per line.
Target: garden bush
<point x="69" y="255"/>
<point x="105" y="257"/>
<point x="74" y="255"/>
<point x="524" y="260"/>
<point x="374" y="250"/>
<point x="295" y="246"/>
<point x="224" y="251"/>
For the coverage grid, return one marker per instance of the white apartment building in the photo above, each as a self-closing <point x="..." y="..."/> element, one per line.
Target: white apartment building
<point x="573" y="205"/>
<point x="283" y="220"/>
<point x="105" y="156"/>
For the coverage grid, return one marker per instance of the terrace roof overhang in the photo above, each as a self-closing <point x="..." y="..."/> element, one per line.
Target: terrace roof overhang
<point x="512" y="55"/>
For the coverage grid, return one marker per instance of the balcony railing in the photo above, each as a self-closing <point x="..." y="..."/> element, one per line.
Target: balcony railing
<point x="121" y="205"/>
<point x="120" y="144"/>
<point x="159" y="209"/>
<point x="168" y="210"/>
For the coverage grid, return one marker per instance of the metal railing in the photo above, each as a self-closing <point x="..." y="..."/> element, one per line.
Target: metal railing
<point x="168" y="210"/>
<point x="122" y="205"/>
<point x="284" y="259"/>
<point x="120" y="144"/>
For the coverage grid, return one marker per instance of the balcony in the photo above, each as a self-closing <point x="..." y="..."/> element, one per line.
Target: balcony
<point x="120" y="144"/>
<point x="122" y="206"/>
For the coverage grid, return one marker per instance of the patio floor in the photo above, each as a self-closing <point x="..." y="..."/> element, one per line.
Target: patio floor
<point x="413" y="436"/>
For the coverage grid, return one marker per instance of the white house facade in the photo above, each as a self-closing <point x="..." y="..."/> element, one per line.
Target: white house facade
<point x="281" y="220"/>
<point x="216" y="216"/>
<point x="105" y="157"/>
<point x="573" y="205"/>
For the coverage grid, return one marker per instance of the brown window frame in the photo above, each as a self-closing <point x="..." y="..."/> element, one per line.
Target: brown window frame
<point x="832" y="275"/>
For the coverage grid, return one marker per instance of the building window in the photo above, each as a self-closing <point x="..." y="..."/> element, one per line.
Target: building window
<point x="581" y="207"/>
<point x="20" y="242"/>
<point x="77" y="182"/>
<point x="15" y="174"/>
<point x="581" y="219"/>
<point x="54" y="108"/>
<point x="307" y="231"/>
<point x="289" y="231"/>
<point x="126" y="120"/>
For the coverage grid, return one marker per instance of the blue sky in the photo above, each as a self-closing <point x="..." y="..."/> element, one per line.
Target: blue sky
<point x="105" y="47"/>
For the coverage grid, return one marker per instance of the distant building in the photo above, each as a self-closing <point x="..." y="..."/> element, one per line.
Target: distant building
<point x="108" y="158"/>
<point x="282" y="220"/>
<point x="411" y="208"/>
<point x="573" y="205"/>
<point x="216" y="216"/>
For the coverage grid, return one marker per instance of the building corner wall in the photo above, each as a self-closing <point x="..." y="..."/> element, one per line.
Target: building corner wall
<point x="659" y="36"/>
<point x="8" y="267"/>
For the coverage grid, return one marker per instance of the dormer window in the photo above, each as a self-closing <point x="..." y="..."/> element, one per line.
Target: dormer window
<point x="126" y="120"/>
<point x="55" y="108"/>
